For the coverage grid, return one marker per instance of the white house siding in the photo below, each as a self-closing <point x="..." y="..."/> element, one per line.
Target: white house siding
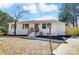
<point x="10" y="31"/>
<point x="53" y="29"/>
<point x="57" y="29"/>
<point x="60" y="29"/>
<point x="31" y="25"/>
<point x="45" y="31"/>
<point x="20" y="30"/>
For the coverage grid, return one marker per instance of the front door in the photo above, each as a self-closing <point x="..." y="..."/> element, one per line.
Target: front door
<point x="36" y="27"/>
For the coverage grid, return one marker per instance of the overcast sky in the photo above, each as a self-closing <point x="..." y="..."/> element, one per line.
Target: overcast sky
<point x="37" y="11"/>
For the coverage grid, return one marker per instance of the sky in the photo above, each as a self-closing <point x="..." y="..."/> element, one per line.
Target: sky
<point x="36" y="11"/>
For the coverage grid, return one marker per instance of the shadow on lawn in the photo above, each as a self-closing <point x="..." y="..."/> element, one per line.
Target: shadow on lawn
<point x="55" y="39"/>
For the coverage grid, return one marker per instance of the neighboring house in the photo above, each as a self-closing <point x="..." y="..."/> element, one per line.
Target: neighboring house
<point x="37" y="26"/>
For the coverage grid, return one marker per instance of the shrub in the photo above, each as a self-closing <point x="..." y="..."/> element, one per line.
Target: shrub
<point x="3" y="30"/>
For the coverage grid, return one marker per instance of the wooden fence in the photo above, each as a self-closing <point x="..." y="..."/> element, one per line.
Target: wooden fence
<point x="72" y="30"/>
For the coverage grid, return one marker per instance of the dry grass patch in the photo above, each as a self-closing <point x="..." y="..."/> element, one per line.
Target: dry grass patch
<point x="18" y="46"/>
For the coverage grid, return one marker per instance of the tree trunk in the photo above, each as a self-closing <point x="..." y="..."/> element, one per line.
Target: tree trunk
<point x="15" y="25"/>
<point x="77" y="26"/>
<point x="76" y="23"/>
<point x="50" y="42"/>
<point x="66" y="27"/>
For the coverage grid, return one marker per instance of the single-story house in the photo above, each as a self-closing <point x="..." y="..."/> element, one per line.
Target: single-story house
<point x="40" y="26"/>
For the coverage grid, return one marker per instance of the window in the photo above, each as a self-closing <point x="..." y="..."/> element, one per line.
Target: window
<point x="43" y="26"/>
<point x="12" y="26"/>
<point x="25" y="26"/>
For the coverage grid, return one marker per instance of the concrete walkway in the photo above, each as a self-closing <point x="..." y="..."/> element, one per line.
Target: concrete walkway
<point x="71" y="48"/>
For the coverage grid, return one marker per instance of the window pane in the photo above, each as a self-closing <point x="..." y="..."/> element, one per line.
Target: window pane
<point x="44" y="26"/>
<point x="25" y="26"/>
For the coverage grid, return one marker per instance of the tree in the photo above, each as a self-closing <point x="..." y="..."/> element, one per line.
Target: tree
<point x="4" y="19"/>
<point x="69" y="13"/>
<point x="18" y="14"/>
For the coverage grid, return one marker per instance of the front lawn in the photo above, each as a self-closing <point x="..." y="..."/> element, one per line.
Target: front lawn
<point x="15" y="45"/>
